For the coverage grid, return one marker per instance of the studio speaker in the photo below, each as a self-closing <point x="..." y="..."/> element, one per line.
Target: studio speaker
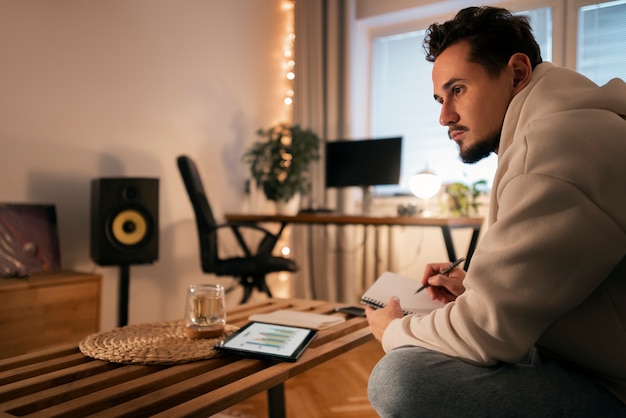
<point x="124" y="221"/>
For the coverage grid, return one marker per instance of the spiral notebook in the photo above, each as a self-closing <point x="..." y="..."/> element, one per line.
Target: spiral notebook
<point x="391" y="284"/>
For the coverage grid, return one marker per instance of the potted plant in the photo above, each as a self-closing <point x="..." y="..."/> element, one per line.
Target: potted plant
<point x="463" y="198"/>
<point x="279" y="163"/>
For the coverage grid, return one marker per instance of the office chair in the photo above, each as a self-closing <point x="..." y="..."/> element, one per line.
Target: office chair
<point x="249" y="269"/>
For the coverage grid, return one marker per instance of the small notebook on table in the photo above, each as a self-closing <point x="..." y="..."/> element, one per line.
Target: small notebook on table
<point x="404" y="288"/>
<point x="298" y="319"/>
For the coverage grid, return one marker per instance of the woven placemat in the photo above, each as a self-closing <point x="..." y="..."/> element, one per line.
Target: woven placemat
<point x="154" y="343"/>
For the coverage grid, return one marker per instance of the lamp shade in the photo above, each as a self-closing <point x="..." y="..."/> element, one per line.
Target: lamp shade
<point x="425" y="184"/>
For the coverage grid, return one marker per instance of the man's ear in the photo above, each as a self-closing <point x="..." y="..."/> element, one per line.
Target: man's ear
<point x="522" y="71"/>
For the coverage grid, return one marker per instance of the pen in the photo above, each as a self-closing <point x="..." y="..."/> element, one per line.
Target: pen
<point x="444" y="271"/>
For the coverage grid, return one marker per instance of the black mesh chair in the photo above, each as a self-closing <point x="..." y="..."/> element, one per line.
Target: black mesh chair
<point x="251" y="267"/>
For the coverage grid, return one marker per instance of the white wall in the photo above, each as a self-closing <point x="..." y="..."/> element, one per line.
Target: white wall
<point x="119" y="88"/>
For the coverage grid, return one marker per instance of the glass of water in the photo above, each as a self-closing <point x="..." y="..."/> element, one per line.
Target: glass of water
<point x="205" y="311"/>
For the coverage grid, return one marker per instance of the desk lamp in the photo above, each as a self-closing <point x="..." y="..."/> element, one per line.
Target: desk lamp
<point x="425" y="185"/>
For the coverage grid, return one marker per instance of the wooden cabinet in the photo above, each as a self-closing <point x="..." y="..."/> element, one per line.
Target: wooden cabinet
<point x="47" y="309"/>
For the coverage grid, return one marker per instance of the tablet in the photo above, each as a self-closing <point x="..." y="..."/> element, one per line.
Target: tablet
<point x="261" y="340"/>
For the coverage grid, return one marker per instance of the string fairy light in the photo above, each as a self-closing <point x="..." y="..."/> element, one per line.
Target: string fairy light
<point x="288" y="68"/>
<point x="289" y="63"/>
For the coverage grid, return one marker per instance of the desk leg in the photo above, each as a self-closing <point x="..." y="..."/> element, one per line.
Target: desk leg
<point x="447" y="237"/>
<point x="276" y="401"/>
<point x="471" y="248"/>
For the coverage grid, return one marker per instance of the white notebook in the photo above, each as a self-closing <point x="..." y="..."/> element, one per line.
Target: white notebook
<point x="391" y="284"/>
<point x="299" y="319"/>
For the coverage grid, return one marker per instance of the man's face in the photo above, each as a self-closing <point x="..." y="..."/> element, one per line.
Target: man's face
<point x="473" y="103"/>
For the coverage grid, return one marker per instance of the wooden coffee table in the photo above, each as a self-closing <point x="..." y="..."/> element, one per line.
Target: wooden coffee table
<point x="64" y="382"/>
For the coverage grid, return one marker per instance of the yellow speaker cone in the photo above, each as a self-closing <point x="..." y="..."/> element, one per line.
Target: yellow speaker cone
<point x="129" y="227"/>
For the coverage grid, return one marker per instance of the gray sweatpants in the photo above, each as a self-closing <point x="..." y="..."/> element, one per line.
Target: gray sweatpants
<point x="416" y="382"/>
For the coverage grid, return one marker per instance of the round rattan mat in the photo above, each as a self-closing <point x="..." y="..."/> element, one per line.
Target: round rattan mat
<point x="153" y="343"/>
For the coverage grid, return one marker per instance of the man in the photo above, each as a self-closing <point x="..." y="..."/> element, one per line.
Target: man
<point x="536" y="327"/>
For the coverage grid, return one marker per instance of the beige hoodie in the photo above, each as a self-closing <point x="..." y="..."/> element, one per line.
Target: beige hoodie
<point x="551" y="269"/>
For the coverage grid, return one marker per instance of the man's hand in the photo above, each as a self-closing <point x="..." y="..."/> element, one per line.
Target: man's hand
<point x="379" y="319"/>
<point x="443" y="287"/>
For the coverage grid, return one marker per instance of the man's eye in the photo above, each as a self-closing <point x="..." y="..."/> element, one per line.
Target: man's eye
<point x="458" y="90"/>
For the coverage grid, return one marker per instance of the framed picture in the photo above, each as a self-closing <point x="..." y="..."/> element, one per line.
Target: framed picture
<point x="29" y="241"/>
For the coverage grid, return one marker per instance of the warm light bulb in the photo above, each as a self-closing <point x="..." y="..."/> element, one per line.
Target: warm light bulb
<point x="424" y="184"/>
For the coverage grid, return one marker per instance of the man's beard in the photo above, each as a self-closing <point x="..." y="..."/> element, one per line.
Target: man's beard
<point x="481" y="148"/>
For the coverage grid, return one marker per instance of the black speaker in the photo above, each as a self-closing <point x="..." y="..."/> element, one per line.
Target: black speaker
<point x="124" y="221"/>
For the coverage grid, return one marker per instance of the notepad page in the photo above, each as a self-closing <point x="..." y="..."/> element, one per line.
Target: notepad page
<point x="391" y="284"/>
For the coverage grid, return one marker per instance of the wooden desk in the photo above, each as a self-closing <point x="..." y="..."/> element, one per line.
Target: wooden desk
<point x="446" y="224"/>
<point x="64" y="382"/>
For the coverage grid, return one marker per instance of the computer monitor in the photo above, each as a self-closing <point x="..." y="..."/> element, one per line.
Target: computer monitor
<point x="363" y="163"/>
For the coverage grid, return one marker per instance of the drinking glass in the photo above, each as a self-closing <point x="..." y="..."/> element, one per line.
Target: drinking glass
<point x="205" y="311"/>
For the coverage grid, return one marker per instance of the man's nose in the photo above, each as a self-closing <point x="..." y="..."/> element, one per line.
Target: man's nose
<point x="448" y="115"/>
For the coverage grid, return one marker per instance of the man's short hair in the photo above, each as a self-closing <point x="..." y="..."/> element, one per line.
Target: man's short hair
<point x="494" y="35"/>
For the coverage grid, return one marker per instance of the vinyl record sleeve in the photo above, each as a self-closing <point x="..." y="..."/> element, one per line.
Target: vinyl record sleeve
<point x="29" y="241"/>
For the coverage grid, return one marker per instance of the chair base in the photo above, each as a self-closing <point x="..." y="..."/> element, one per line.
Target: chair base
<point x="251" y="283"/>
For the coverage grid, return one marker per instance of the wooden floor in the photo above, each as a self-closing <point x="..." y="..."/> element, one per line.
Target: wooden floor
<point x="337" y="388"/>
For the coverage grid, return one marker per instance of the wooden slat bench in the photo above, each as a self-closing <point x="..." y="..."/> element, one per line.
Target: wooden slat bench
<point x="61" y="382"/>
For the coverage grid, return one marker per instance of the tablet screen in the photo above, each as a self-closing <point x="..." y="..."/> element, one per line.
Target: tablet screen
<point x="263" y="340"/>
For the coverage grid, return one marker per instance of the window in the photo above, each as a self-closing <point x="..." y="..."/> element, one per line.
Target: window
<point x="401" y="100"/>
<point x="601" y="47"/>
<point x="541" y="23"/>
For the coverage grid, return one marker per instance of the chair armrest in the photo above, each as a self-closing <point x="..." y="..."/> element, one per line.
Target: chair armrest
<point x="267" y="242"/>
<point x="251" y="226"/>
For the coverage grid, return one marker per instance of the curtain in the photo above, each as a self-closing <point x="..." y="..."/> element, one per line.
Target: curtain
<point x="326" y="255"/>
